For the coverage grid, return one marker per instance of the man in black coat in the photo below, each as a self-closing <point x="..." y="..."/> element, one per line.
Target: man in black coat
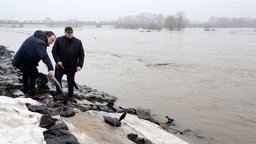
<point x="32" y="50"/>
<point x="68" y="53"/>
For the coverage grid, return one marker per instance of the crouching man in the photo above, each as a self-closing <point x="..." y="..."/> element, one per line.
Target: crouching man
<point x="32" y="50"/>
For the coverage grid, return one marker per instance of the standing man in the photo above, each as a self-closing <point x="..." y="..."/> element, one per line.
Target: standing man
<point x="68" y="53"/>
<point x="28" y="56"/>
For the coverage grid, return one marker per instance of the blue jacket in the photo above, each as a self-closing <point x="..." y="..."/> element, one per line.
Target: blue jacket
<point x="31" y="52"/>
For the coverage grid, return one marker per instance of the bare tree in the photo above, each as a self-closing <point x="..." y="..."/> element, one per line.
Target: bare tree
<point x="181" y="21"/>
<point x="177" y="22"/>
<point x="170" y="22"/>
<point x="154" y="21"/>
<point x="143" y="20"/>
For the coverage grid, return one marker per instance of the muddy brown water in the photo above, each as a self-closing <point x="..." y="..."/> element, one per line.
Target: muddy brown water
<point x="204" y="80"/>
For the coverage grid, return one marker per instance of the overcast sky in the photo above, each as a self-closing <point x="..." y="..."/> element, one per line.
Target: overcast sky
<point x="97" y="10"/>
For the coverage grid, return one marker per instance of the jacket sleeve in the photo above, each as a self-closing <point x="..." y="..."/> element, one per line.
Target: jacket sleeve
<point x="45" y="58"/>
<point x="55" y="51"/>
<point x="48" y="62"/>
<point x="81" y="55"/>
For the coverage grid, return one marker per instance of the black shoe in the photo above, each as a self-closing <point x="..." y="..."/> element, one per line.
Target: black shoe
<point x="73" y="99"/>
<point x="37" y="97"/>
<point x="25" y="92"/>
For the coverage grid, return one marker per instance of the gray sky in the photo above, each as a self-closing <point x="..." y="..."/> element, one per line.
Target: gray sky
<point x="97" y="10"/>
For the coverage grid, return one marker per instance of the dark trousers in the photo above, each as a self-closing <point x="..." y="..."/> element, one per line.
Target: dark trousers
<point x="70" y="77"/>
<point x="29" y="83"/>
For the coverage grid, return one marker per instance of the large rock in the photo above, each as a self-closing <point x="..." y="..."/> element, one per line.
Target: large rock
<point x="9" y="75"/>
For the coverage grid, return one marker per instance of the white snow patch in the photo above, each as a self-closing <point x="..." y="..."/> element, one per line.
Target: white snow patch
<point x="18" y="124"/>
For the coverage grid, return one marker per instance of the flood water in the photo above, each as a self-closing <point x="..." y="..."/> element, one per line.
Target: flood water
<point x="204" y="80"/>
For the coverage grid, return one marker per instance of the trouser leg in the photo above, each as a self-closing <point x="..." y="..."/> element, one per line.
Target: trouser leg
<point x="58" y="75"/>
<point x="71" y="78"/>
<point x="32" y="83"/>
<point x="25" y="82"/>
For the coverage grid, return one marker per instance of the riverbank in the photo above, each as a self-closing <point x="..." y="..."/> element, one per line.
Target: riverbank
<point x="18" y="125"/>
<point x="88" y="123"/>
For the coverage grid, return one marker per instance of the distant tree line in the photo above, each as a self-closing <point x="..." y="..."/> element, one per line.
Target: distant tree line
<point x="225" y="22"/>
<point x="153" y="21"/>
<point x="179" y="22"/>
<point x="148" y="21"/>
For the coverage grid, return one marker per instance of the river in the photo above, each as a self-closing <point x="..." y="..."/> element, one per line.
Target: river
<point x="205" y="80"/>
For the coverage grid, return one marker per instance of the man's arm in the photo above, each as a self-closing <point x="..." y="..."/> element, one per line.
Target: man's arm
<point x="55" y="51"/>
<point x="41" y="49"/>
<point x="42" y="53"/>
<point x="81" y="55"/>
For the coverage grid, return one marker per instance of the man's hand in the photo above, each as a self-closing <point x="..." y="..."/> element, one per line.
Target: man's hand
<point x="51" y="73"/>
<point x="78" y="68"/>
<point x="59" y="65"/>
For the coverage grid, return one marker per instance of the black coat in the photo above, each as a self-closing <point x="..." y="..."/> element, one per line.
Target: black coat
<point x="32" y="50"/>
<point x="70" y="52"/>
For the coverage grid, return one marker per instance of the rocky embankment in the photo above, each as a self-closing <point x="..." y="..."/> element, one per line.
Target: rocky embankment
<point x="94" y="119"/>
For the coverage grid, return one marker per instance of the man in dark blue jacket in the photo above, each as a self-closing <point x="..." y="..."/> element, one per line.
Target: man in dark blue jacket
<point x="68" y="53"/>
<point x="28" y="56"/>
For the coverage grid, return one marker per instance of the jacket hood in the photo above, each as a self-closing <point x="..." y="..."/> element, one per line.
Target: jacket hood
<point x="41" y="35"/>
